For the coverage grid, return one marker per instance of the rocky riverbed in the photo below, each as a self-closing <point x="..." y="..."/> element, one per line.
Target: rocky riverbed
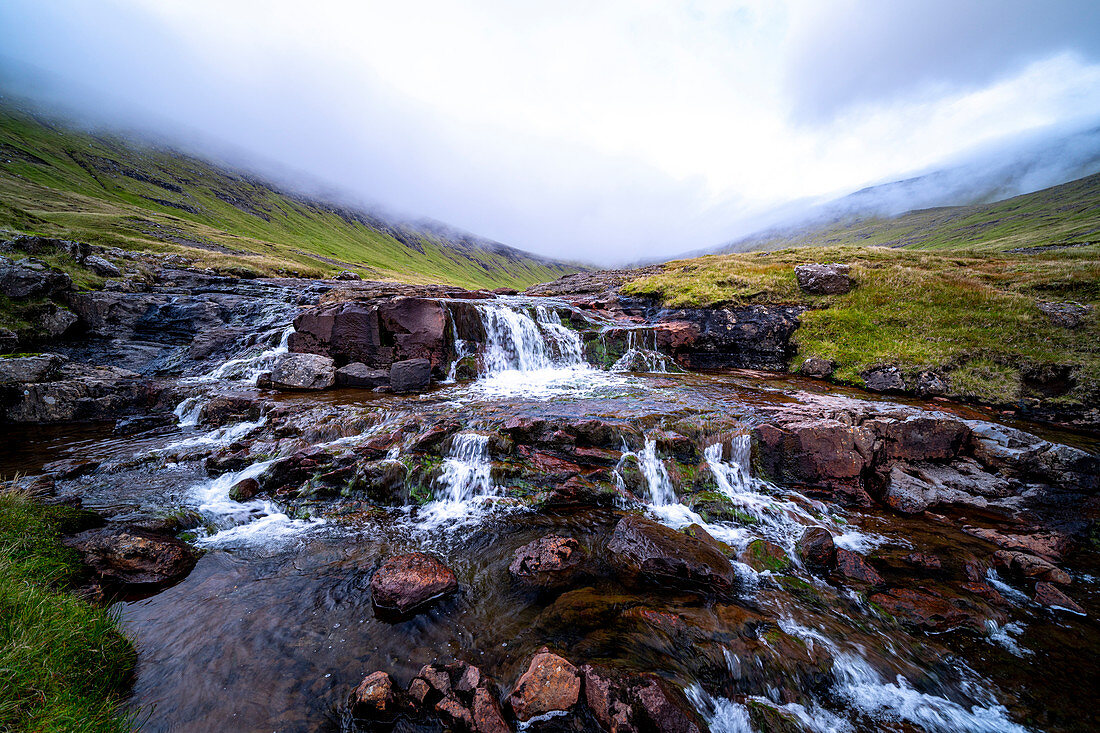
<point x="344" y="505"/>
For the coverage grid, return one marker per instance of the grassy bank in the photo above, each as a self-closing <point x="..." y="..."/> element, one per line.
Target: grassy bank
<point x="970" y="313"/>
<point x="64" y="666"/>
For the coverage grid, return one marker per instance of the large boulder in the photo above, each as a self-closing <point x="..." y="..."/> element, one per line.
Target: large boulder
<point x="551" y="684"/>
<point x="408" y="583"/>
<point x="826" y="453"/>
<point x="302" y="372"/>
<point x="548" y="562"/>
<point x="647" y="553"/>
<point x="411" y="375"/>
<point x="29" y="369"/>
<point x="357" y="374"/>
<point x="831" y="279"/>
<point x="133" y="557"/>
<point x="29" y="278"/>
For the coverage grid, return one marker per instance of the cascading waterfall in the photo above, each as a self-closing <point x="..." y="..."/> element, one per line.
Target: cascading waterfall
<point x="641" y="356"/>
<point x="517" y="342"/>
<point x="466" y="470"/>
<point x="248" y="368"/>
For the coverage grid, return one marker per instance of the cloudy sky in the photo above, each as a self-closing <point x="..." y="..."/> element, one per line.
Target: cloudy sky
<point x="606" y="131"/>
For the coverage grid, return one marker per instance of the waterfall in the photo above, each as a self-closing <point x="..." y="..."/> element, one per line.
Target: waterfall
<point x="656" y="475"/>
<point x="247" y="368"/>
<point x="466" y="469"/>
<point x="640" y="356"/>
<point x="517" y="342"/>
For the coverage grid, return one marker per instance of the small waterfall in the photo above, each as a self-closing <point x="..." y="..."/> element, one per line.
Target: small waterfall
<point x="518" y="342"/>
<point x="641" y="354"/>
<point x="656" y="475"/>
<point x="188" y="411"/>
<point x="248" y="368"/>
<point x="466" y="470"/>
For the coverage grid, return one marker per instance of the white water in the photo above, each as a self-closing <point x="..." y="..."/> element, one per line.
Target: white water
<point x="641" y="354"/>
<point x="465" y="488"/>
<point x="188" y="411"/>
<point x="248" y="368"/>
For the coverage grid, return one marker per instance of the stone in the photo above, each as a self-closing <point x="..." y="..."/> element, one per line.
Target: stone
<point x="818" y="279"/>
<point x="761" y="555"/>
<point x="383" y="482"/>
<point x="132" y="557"/>
<point x="9" y="340"/>
<point x="665" y="710"/>
<point x="647" y="553"/>
<point x="347" y="275"/>
<point x="1049" y="595"/>
<point x="1067" y="315"/>
<point x="883" y="379"/>
<point x="102" y="266"/>
<point x="549" y="562"/>
<point x="29" y="369"/>
<point x="817" y="367"/>
<point x="83" y="393"/>
<point x="303" y="372"/>
<point x="550" y="684"/>
<point x="825" y="453"/>
<point x="54" y="321"/>
<point x="226" y="409"/>
<point x="1025" y="565"/>
<point x="29" y="278"/>
<point x="408" y="583"/>
<point x="736" y="337"/>
<point x="922" y="437"/>
<point x="816" y="548"/>
<point x="852" y="565"/>
<point x="411" y="375"/>
<point x="454" y="714"/>
<point x="924" y="610"/>
<point x="376" y="699"/>
<point x="487" y="713"/>
<point x="141" y="423"/>
<point x="358" y="374"/>
<point x="930" y="384"/>
<point x="245" y="489"/>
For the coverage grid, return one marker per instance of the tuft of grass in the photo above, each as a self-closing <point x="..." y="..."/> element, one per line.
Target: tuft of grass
<point x="64" y="665"/>
<point x="971" y="314"/>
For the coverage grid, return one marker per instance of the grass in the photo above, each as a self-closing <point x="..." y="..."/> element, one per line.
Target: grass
<point x="59" y="181"/>
<point x="971" y="313"/>
<point x="64" y="665"/>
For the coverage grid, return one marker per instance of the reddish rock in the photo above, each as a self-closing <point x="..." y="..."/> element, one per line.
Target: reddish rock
<point x="923" y="560"/>
<point x="1030" y="566"/>
<point x="244" y="489"/>
<point x="133" y="557"/>
<point x="1048" y="545"/>
<point x="665" y="709"/>
<point x="922" y="609"/>
<point x="454" y="713"/>
<point x="921" y="438"/>
<point x="488" y="716"/>
<point x="550" y="562"/>
<point x="852" y="565"/>
<point x="645" y="552"/>
<point x="825" y="453"/>
<point x="409" y="582"/>
<point x="816" y="548"/>
<point x="550" y="684"/>
<point x="1048" y="595"/>
<point x="376" y="698"/>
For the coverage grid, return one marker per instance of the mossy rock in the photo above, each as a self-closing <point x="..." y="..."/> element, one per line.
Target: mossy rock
<point x="762" y="555"/>
<point x="714" y="506"/>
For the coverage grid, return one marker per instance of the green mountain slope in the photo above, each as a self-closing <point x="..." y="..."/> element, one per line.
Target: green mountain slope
<point x="1060" y="215"/>
<point x="58" y="181"/>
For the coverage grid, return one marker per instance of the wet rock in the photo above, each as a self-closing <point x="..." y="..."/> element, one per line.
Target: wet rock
<point x="1047" y="545"/>
<point x="228" y="459"/>
<point x="408" y="583"/>
<point x="925" y="610"/>
<point x="454" y="714"/>
<point x="245" y="489"/>
<point x="645" y="552"/>
<point x="883" y="379"/>
<point x="226" y="409"/>
<point x="825" y="453"/>
<point x="1049" y="595"/>
<point x="383" y="482"/>
<point x="852" y="565"/>
<point x="83" y="393"/>
<point x="549" y="562"/>
<point x="921" y="437"/>
<point x="712" y="506"/>
<point x="923" y="561"/>
<point x="411" y="375"/>
<point x="550" y="684"/>
<point x="914" y="489"/>
<point x="141" y="423"/>
<point x="817" y="367"/>
<point x="763" y="555"/>
<point x="819" y="279"/>
<point x="816" y="548"/>
<point x="376" y="699"/>
<point x="294" y="469"/>
<point x="746" y="337"/>
<point x="487" y="713"/>
<point x="9" y="340"/>
<point x="132" y="557"/>
<point x="29" y="278"/>
<point x="1025" y="565"/>
<point x="358" y="374"/>
<point x="302" y="372"/>
<point x="29" y="369"/>
<point x="665" y="709"/>
<point x="102" y="266"/>
<point x="1067" y="315"/>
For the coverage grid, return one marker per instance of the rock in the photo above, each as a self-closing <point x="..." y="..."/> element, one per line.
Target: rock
<point x="29" y="278"/>
<point x="29" y="369"/>
<point x="816" y="548"/>
<point x="411" y="375"/>
<point x="712" y="506"/>
<point x="1048" y="595"/>
<point x="409" y="583"/>
<point x="101" y="266"/>
<point x="817" y="367"/>
<point x="488" y="716"/>
<point x="81" y="392"/>
<point x="549" y="562"/>
<point x="226" y="409"/>
<point x="666" y="710"/>
<point x="454" y="714"/>
<point x="762" y="555"/>
<point x="826" y="453"/>
<point x="376" y="699"/>
<point x="245" y="489"/>
<point x="743" y="337"/>
<point x="141" y="423"/>
<point x="912" y="489"/>
<point x="648" y="553"/>
<point x="924" y="610"/>
<point x="818" y="279"/>
<point x="505" y="291"/>
<point x="550" y="684"/>
<point x="54" y="321"/>
<point x="934" y="437"/>
<point x="9" y="340"/>
<point x="347" y="275"/>
<point x="1025" y="565"/>
<point x="852" y="565"/>
<point x="358" y="374"/>
<point x="303" y="372"/>
<point x="883" y="379"/>
<point x="930" y="384"/>
<point x="383" y="482"/>
<point x="1067" y="315"/>
<point x="131" y="557"/>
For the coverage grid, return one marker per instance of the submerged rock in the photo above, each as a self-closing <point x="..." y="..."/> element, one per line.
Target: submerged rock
<point x="376" y="699"/>
<point x="550" y="684"/>
<point x="408" y="583"/>
<point x="816" y="548"/>
<point x="647" y="553"/>
<point x="549" y="562"/>
<point x="852" y="565"/>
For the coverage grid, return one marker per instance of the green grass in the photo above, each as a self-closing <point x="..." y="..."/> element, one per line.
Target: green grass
<point x="97" y="188"/>
<point x="64" y="665"/>
<point x="972" y="313"/>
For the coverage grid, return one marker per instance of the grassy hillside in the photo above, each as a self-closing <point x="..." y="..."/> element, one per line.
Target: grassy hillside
<point x="971" y="314"/>
<point x="1060" y="215"/>
<point x="58" y="181"/>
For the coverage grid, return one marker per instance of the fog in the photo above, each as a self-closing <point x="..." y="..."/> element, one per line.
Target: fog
<point x="604" y="132"/>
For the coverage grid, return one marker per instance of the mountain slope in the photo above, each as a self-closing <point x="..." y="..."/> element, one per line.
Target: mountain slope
<point x="1058" y="216"/>
<point x="59" y="181"/>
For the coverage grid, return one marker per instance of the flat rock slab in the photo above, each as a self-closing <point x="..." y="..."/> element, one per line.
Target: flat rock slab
<point x="303" y="372"/>
<point x="408" y="583"/>
<point x="129" y="557"/>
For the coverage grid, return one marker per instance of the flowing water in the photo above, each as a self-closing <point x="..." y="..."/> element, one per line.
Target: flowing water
<point x="274" y="626"/>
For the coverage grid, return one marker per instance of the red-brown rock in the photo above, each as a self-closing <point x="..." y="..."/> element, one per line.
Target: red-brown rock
<point x="376" y="698"/>
<point x="666" y="710"/>
<point x="550" y="562"/>
<point x="922" y="609"/>
<point x="816" y="548"/>
<point x="852" y="565"/>
<point x="648" y="553"/>
<point x="1048" y="595"/>
<point x="410" y="582"/>
<point x="550" y="684"/>
<point x="488" y="717"/>
<point x="134" y="557"/>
